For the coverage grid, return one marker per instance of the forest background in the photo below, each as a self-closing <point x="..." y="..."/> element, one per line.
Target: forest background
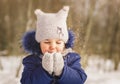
<point x="96" y="24"/>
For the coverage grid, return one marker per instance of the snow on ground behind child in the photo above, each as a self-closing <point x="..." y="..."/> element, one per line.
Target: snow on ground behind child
<point x="10" y="65"/>
<point x="99" y="71"/>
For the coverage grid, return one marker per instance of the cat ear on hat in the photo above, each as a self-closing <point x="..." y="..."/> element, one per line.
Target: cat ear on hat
<point x="38" y="12"/>
<point x="64" y="11"/>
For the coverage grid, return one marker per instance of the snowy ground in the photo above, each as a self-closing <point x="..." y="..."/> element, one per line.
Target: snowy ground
<point x="101" y="71"/>
<point x="98" y="71"/>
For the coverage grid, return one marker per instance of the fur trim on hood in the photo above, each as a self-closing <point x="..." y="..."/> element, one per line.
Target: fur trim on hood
<point x="30" y="45"/>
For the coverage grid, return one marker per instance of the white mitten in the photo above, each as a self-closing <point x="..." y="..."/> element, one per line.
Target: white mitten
<point x="47" y="62"/>
<point x="58" y="64"/>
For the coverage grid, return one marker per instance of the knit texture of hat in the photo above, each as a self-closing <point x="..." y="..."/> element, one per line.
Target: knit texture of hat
<point x="52" y="25"/>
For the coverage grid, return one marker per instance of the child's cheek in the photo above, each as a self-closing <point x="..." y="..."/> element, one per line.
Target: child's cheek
<point x="60" y="50"/>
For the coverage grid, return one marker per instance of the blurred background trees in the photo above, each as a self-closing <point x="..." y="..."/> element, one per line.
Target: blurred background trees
<point x="96" y="24"/>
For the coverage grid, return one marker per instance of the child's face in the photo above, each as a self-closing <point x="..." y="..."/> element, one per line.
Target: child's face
<point x="52" y="45"/>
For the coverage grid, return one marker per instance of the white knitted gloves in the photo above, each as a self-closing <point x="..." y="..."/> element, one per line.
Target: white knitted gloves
<point x="47" y="62"/>
<point x="58" y="64"/>
<point x="53" y="63"/>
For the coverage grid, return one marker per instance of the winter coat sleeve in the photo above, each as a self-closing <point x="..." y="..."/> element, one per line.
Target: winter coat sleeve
<point x="72" y="73"/>
<point x="33" y="72"/>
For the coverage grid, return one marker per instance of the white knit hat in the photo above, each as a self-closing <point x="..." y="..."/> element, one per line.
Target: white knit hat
<point x="52" y="25"/>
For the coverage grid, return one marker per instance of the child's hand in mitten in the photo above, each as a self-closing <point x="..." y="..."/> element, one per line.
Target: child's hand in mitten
<point x="58" y="64"/>
<point x="47" y="62"/>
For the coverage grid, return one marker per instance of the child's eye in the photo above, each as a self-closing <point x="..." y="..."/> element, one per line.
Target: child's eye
<point x="58" y="42"/>
<point x="47" y="42"/>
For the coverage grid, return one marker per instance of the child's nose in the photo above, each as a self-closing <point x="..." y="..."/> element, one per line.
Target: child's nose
<point x="52" y="46"/>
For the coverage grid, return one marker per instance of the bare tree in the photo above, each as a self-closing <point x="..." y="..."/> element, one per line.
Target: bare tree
<point x="1" y="67"/>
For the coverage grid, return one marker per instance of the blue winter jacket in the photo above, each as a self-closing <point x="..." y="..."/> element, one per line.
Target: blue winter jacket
<point x="34" y="73"/>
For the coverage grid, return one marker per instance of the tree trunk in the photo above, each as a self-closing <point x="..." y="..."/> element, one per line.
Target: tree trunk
<point x="1" y="67"/>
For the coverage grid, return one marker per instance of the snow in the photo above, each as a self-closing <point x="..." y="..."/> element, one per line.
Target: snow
<point x="8" y="73"/>
<point x="99" y="71"/>
<point x="103" y="78"/>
